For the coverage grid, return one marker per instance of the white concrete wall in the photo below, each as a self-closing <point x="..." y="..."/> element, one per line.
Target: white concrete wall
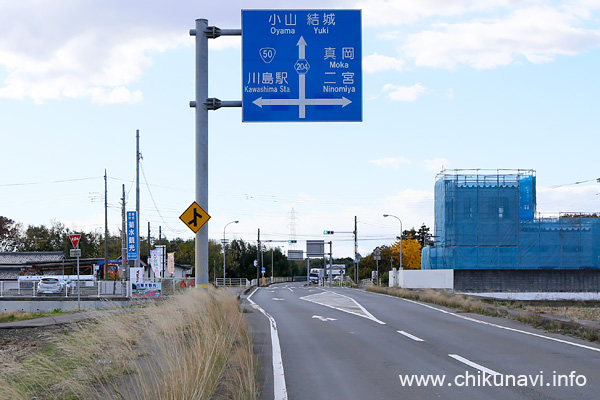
<point x="424" y="279"/>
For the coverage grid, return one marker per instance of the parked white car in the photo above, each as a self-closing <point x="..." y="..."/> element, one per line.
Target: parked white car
<point x="50" y="286"/>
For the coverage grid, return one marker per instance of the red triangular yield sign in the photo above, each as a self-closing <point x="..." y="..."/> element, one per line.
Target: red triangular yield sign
<point x="75" y="240"/>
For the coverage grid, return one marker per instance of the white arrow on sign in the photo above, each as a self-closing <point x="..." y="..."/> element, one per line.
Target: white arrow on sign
<point x="309" y="102"/>
<point x="301" y="47"/>
<point x="302" y="101"/>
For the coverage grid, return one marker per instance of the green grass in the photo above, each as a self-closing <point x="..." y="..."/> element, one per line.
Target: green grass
<point x="22" y="316"/>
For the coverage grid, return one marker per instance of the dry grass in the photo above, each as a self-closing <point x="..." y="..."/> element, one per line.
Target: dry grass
<point x="461" y="302"/>
<point x="194" y="345"/>
<point x="590" y="313"/>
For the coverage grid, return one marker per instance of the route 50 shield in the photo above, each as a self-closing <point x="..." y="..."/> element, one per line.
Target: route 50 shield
<point x="301" y="65"/>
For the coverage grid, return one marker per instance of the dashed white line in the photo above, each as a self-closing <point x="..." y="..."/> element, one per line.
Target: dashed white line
<point x="474" y="365"/>
<point x="413" y="337"/>
<point x="583" y="346"/>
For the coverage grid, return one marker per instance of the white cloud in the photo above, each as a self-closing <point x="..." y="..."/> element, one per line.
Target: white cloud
<point x="393" y="162"/>
<point x="404" y="93"/>
<point x="56" y="53"/>
<point x="436" y="164"/>
<point x="117" y="95"/>
<point x="574" y="198"/>
<point x="538" y="34"/>
<point x="225" y="42"/>
<point x="400" y="12"/>
<point x="378" y="62"/>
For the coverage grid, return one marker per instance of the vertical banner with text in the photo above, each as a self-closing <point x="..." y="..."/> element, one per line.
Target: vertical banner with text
<point x="171" y="263"/>
<point x="132" y="235"/>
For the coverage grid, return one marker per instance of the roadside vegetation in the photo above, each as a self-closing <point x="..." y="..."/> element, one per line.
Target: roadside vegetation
<point x="550" y="318"/>
<point x="21" y="315"/>
<point x="194" y="345"/>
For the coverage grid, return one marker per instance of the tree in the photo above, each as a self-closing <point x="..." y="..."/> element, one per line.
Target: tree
<point x="411" y="253"/>
<point x="409" y="233"/>
<point x="10" y="234"/>
<point x="423" y="236"/>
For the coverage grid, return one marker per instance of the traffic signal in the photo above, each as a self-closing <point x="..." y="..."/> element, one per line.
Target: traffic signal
<point x="327" y="232"/>
<point x="291" y="241"/>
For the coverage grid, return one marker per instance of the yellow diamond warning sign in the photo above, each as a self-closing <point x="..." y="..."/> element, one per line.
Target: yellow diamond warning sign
<point x="194" y="217"/>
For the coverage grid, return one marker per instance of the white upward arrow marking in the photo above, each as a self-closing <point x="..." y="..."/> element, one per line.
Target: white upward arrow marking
<point x="301" y="48"/>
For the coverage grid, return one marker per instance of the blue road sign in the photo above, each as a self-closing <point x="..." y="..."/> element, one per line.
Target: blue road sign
<point x="132" y="236"/>
<point x="301" y="65"/>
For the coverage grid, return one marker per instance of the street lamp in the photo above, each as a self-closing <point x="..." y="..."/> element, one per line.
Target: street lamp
<point x="393" y="216"/>
<point x="224" y="246"/>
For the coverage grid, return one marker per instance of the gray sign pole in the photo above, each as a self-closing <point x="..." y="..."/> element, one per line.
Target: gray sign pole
<point x="201" y="249"/>
<point x="202" y="104"/>
<point x="78" y="289"/>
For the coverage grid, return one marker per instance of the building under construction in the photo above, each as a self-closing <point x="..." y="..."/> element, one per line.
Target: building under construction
<point x="488" y="220"/>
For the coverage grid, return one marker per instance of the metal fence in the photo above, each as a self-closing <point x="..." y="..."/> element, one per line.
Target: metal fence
<point x="90" y="289"/>
<point x="365" y="283"/>
<point x="86" y="289"/>
<point x="239" y="282"/>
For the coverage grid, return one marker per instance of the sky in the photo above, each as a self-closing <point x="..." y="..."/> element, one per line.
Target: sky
<point x="454" y="84"/>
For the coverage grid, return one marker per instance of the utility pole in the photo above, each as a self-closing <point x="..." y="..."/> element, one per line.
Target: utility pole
<point x="159" y="243"/>
<point x="124" y="263"/>
<point x="149" y="247"/>
<point x="258" y="265"/>
<point x="330" y="263"/>
<point x="106" y="223"/>
<point x="355" y="251"/>
<point x="138" y="157"/>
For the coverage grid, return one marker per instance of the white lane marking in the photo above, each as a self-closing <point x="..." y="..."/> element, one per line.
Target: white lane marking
<point x="583" y="346"/>
<point x="278" y="299"/>
<point x="364" y="314"/>
<point x="474" y="365"/>
<point x="279" y="387"/>
<point x="371" y="316"/>
<point x="324" y="319"/>
<point x="408" y="335"/>
<point x="289" y="289"/>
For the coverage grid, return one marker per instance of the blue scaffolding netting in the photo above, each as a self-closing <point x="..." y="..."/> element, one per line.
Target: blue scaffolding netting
<point x="489" y="221"/>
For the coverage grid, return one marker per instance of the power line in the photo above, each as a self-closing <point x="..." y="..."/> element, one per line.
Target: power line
<point x="51" y="182"/>
<point x="176" y="231"/>
<point x="575" y="183"/>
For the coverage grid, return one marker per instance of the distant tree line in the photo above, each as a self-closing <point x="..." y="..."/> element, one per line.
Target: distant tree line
<point x="240" y="255"/>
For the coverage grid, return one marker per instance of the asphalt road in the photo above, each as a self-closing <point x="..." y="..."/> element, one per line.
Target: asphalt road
<point x="338" y="343"/>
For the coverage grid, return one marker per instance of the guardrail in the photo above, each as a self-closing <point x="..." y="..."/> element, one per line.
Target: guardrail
<point x="365" y="282"/>
<point x="239" y="282"/>
<point x="276" y="279"/>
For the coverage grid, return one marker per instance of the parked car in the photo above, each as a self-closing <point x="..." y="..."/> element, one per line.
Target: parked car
<point x="50" y="286"/>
